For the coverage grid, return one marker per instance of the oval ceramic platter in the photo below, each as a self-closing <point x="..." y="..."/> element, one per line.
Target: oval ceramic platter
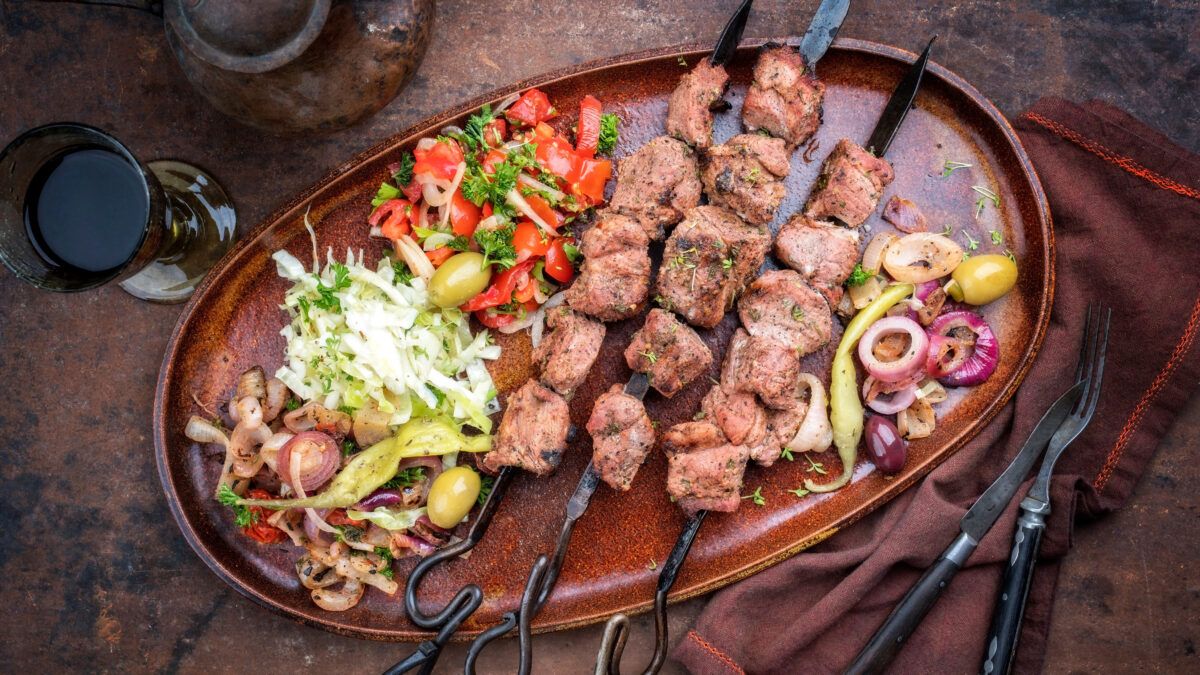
<point x="233" y="323"/>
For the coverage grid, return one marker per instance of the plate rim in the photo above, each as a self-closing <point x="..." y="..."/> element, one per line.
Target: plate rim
<point x="388" y="144"/>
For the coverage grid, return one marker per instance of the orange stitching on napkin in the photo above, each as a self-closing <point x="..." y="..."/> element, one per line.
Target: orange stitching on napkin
<point x="1135" y="420"/>
<point x="713" y="651"/>
<point x="1109" y="156"/>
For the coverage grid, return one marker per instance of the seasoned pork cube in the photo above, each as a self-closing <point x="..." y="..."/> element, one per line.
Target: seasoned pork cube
<point x="701" y="475"/>
<point x="763" y="366"/>
<point x="657" y="184"/>
<point x="566" y="355"/>
<point x="745" y="174"/>
<point x="615" y="277"/>
<point x="670" y="353"/>
<point x="824" y="253"/>
<point x="744" y="422"/>
<point x="533" y="432"/>
<point x="690" y="110"/>
<point x="849" y="185"/>
<point x="706" y="263"/>
<point x="622" y="436"/>
<point x="783" y="100"/>
<point x="780" y="306"/>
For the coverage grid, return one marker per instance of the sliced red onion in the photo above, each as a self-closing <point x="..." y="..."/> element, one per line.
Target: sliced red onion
<point x="924" y="289"/>
<point x="906" y="365"/>
<point x="424" y="520"/>
<point x="946" y="355"/>
<point x="895" y="402"/>
<point x="980" y="359"/>
<point x="418" y="546"/>
<point x="314" y="533"/>
<point x="318" y="457"/>
<point x="378" y="498"/>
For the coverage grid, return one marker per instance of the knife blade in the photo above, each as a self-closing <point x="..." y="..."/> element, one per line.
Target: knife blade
<point x="907" y="615"/>
<point x="898" y="105"/>
<point x="984" y="512"/>
<point x="821" y="31"/>
<point x="732" y="34"/>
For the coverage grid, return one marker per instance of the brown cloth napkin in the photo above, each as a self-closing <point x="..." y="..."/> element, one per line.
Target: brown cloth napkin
<point x="1126" y="209"/>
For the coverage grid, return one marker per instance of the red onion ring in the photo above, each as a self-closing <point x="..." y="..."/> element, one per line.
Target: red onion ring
<point x="978" y="362"/>
<point x="898" y="400"/>
<point x="312" y="474"/>
<point x="906" y="365"/>
<point x="378" y="498"/>
<point x="418" y="546"/>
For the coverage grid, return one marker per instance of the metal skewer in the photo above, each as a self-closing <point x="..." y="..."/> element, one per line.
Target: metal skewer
<point x="544" y="575"/>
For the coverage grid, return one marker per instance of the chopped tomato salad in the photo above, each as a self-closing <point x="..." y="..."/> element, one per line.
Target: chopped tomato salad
<point x="507" y="187"/>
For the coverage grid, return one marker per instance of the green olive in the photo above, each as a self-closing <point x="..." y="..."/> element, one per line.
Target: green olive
<point x="459" y="279"/>
<point x="982" y="279"/>
<point x="452" y="495"/>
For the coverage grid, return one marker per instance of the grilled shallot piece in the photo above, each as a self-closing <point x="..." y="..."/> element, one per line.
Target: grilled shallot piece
<point x="690" y="110"/>
<point x="849" y="185"/>
<point x="622" y="436"/>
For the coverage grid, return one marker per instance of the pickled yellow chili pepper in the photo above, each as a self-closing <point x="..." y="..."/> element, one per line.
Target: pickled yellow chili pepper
<point x="421" y="437"/>
<point x="845" y="407"/>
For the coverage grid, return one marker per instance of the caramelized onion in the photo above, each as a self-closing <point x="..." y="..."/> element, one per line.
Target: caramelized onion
<point x="975" y="358"/>
<point x="315" y="455"/>
<point x="908" y="363"/>
<point x="920" y="257"/>
<point x="872" y="260"/>
<point x="904" y="215"/>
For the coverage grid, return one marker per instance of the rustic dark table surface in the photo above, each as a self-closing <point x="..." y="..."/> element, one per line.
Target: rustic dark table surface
<point x="96" y="576"/>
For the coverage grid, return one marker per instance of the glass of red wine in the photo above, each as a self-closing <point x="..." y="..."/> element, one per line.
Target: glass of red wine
<point x="78" y="210"/>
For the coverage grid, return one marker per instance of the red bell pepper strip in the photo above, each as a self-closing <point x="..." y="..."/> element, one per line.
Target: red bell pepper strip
<point x="588" y="135"/>
<point x="464" y="215"/>
<point x="558" y="265"/>
<point x="440" y="161"/>
<point x="501" y="290"/>
<point x="439" y="255"/>
<point x="398" y="213"/>
<point x="590" y="179"/>
<point x="262" y="531"/>
<point x="529" y="241"/>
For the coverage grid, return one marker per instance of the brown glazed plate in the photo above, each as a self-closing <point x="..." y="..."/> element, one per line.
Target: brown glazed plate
<point x="233" y="323"/>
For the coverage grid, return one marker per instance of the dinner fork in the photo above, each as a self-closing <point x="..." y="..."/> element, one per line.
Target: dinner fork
<point x="1014" y="589"/>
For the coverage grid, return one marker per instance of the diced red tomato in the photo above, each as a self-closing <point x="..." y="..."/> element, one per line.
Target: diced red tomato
<point x="558" y="265"/>
<point x="529" y="241"/>
<point x="395" y="215"/>
<point x="558" y="157"/>
<point x="262" y="531"/>
<point x="589" y="181"/>
<point x="440" y="161"/>
<point x="493" y="319"/>
<point x="487" y="210"/>
<point x="543" y="130"/>
<point x="588" y="135"/>
<point x="338" y="518"/>
<point x="494" y="132"/>
<point x="464" y="215"/>
<point x="542" y="208"/>
<point x="493" y="158"/>
<point x="531" y="108"/>
<point x="501" y="290"/>
<point x="439" y="255"/>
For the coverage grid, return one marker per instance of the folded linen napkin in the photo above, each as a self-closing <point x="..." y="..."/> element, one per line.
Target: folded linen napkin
<point x="1126" y="208"/>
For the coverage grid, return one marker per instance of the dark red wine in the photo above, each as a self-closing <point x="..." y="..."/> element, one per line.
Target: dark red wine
<point x="87" y="210"/>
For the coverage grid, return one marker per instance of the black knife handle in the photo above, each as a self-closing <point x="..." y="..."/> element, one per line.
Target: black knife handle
<point x="1014" y="590"/>
<point x="903" y="620"/>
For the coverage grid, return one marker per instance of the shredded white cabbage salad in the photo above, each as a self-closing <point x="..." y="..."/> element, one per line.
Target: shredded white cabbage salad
<point x="359" y="334"/>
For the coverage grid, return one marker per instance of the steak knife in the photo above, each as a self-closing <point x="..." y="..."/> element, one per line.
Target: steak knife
<point x="907" y="615"/>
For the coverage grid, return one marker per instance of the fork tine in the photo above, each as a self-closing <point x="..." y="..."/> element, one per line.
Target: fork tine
<point x="1100" y="351"/>
<point x="1083" y="347"/>
<point x="1090" y="342"/>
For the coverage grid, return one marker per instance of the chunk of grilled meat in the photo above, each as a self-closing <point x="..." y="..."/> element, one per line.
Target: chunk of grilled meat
<point x="761" y="365"/>
<point x="670" y="353"/>
<point x="690" y="110"/>
<point x="707" y="262"/>
<point x="615" y="277"/>
<point x="821" y="251"/>
<point x="745" y="174"/>
<point x="704" y="471"/>
<point x="744" y="421"/>
<point x="533" y="432"/>
<point x="783" y="100"/>
<point x="566" y="355"/>
<point x="622" y="436"/>
<point x="657" y="184"/>
<point x="849" y="185"/>
<point x="781" y="306"/>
